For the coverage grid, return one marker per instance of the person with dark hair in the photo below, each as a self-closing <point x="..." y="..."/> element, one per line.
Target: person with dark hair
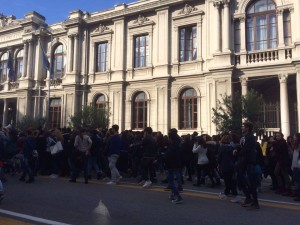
<point x="226" y="161"/>
<point x="82" y="145"/>
<point x="114" y="149"/>
<point x="174" y="164"/>
<point x="202" y="163"/>
<point x="28" y="147"/>
<point x="150" y="154"/>
<point x="296" y="166"/>
<point x="283" y="165"/>
<point x="247" y="162"/>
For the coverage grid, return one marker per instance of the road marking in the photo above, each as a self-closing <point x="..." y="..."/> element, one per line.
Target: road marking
<point x="31" y="218"/>
<point x="102" y="213"/>
<point x="9" y="221"/>
<point x="214" y="196"/>
<point x="208" y="195"/>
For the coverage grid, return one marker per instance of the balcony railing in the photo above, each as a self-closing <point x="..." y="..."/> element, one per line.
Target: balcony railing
<point x="13" y="85"/>
<point x="55" y="82"/>
<point x="263" y="56"/>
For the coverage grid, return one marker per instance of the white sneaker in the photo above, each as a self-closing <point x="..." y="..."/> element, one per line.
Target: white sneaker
<point x="111" y="182"/>
<point x="236" y="199"/>
<point x="147" y="184"/>
<point x="222" y="196"/>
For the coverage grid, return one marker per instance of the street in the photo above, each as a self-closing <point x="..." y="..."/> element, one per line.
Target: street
<point x="56" y="201"/>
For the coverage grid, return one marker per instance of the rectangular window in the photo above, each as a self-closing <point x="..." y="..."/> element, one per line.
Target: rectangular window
<point x="55" y="113"/>
<point x="3" y="71"/>
<point x="188" y="44"/>
<point x="287" y="28"/>
<point x="141" y="53"/>
<point x="102" y="57"/>
<point x="19" y="67"/>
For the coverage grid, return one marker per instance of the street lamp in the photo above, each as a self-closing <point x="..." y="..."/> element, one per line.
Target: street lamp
<point x="44" y="30"/>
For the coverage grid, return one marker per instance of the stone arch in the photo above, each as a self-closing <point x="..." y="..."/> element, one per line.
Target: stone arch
<point x="184" y="87"/>
<point x="97" y="94"/>
<point x="134" y="92"/>
<point x="244" y="4"/>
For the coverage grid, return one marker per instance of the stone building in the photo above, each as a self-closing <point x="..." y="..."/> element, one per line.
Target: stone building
<point x="158" y="63"/>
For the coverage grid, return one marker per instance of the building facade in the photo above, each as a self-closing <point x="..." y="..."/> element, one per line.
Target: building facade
<point x="158" y="63"/>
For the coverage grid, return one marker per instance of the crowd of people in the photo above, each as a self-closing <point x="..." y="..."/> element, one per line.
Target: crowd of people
<point x="239" y="160"/>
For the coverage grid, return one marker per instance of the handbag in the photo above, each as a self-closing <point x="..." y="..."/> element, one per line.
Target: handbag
<point x="56" y="148"/>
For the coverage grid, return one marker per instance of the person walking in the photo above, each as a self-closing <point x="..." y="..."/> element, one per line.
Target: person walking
<point x="173" y="164"/>
<point x="82" y="146"/>
<point x="114" y="148"/>
<point x="247" y="161"/>
<point x="149" y="155"/>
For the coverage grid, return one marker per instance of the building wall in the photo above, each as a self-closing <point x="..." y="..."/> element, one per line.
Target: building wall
<point x="164" y="77"/>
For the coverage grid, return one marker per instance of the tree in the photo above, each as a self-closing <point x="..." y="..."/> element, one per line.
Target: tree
<point x="90" y="117"/>
<point x="231" y="111"/>
<point x="29" y="121"/>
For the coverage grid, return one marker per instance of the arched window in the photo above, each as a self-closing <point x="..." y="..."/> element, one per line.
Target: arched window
<point x="19" y="64"/>
<point x="139" y="115"/>
<point x="188" y="109"/>
<point x="261" y="25"/>
<point x="3" y="67"/>
<point x="58" y="65"/>
<point x="100" y="102"/>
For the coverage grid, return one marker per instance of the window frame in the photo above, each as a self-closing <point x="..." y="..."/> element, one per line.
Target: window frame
<point x="192" y="31"/>
<point x="58" y="75"/>
<point x="99" y="58"/>
<point x="3" y="67"/>
<point x="146" y="59"/>
<point x="102" y="104"/>
<point x="55" y="112"/>
<point x="19" y="61"/>
<point x="183" y="100"/>
<point x="254" y="16"/>
<point x="137" y="104"/>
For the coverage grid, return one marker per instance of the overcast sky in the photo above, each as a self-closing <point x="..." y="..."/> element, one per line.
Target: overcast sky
<point x="55" y="10"/>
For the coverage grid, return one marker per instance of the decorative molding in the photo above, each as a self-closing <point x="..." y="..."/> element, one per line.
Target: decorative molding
<point x="13" y="85"/>
<point x="283" y="78"/>
<point x="55" y="82"/>
<point x="101" y="29"/>
<point x="187" y="9"/>
<point x="244" y="81"/>
<point x="6" y="20"/>
<point x="141" y="20"/>
<point x="279" y="11"/>
<point x="27" y="31"/>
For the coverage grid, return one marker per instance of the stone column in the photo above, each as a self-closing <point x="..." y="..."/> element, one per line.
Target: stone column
<point x="70" y="53"/>
<point x="76" y="53"/>
<point x="284" y="105"/>
<point x="279" y="13"/>
<point x="199" y="39"/>
<point x="226" y="30"/>
<point x="5" y="112"/>
<point x="24" y="70"/>
<point x="243" y="33"/>
<point x="217" y="6"/>
<point x="29" y="66"/>
<point x="244" y="84"/>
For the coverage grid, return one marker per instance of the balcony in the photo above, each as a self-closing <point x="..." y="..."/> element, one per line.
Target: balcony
<point x="55" y="82"/>
<point x="13" y="85"/>
<point x="260" y="57"/>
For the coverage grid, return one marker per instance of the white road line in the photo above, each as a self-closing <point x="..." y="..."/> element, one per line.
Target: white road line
<point x="214" y="193"/>
<point x="31" y="218"/>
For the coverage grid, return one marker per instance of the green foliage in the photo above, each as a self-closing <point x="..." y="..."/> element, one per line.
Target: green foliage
<point x="232" y="110"/>
<point x="227" y="116"/>
<point x="29" y="121"/>
<point x="90" y="117"/>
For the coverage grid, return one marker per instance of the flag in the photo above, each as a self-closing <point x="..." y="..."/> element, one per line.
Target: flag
<point x="10" y="67"/>
<point x="46" y="63"/>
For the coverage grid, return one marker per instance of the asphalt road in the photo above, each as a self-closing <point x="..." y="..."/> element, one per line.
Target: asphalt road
<point x="56" y="201"/>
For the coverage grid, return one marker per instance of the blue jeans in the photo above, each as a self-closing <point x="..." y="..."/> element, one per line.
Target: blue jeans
<point x="92" y="163"/>
<point x="172" y="174"/>
<point x="27" y="168"/>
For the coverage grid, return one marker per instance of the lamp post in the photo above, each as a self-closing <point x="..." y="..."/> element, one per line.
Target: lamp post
<point x="50" y="71"/>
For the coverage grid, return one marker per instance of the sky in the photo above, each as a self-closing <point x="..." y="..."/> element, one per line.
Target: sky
<point x="55" y="10"/>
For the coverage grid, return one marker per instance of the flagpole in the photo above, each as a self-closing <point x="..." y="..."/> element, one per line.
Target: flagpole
<point x="49" y="80"/>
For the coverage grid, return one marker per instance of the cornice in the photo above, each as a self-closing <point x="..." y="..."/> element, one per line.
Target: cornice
<point x="148" y="6"/>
